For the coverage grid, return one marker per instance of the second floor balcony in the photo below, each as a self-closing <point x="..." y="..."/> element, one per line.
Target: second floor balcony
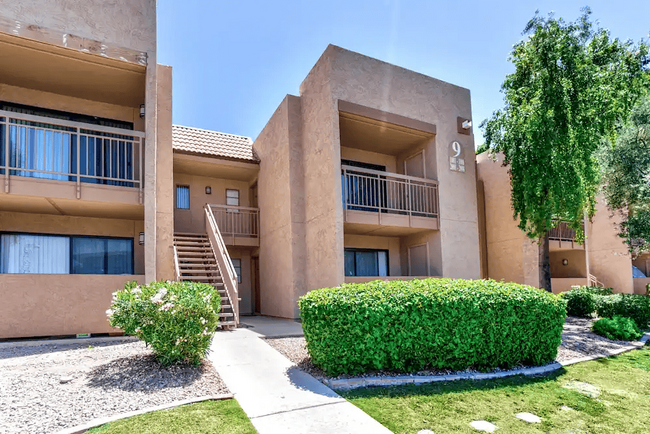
<point x="388" y="203"/>
<point x="239" y="225"/>
<point x="562" y="237"/>
<point x="67" y="160"/>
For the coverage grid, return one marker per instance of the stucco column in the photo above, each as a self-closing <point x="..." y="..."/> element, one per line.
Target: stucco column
<point x="164" y="179"/>
<point x="150" y="171"/>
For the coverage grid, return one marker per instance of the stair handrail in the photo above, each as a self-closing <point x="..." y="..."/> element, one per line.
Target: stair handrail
<point x="226" y="267"/>
<point x="594" y="282"/>
<point x="176" y="265"/>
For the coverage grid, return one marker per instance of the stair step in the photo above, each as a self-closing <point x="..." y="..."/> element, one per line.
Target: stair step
<point x="197" y="266"/>
<point x="196" y="259"/>
<point x="194" y="254"/>
<point x="183" y="244"/>
<point x="226" y="315"/>
<point x="182" y="250"/>
<point x="198" y="278"/>
<point x="188" y="234"/>
<point x="223" y="324"/>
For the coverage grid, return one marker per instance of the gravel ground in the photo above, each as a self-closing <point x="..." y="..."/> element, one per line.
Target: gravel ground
<point x="577" y="341"/>
<point x="46" y="388"/>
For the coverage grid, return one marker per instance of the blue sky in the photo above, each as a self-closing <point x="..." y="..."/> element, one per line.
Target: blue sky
<point x="234" y="61"/>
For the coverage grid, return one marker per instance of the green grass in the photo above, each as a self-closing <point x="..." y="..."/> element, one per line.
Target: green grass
<point x="223" y="417"/>
<point x="623" y="405"/>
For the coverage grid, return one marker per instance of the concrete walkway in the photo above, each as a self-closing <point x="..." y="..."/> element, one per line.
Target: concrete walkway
<point x="269" y="327"/>
<point x="277" y="396"/>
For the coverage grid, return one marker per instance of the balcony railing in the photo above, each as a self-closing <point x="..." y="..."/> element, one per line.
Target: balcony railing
<point x="237" y="221"/>
<point x="49" y="148"/>
<point x="384" y="192"/>
<point x="562" y="232"/>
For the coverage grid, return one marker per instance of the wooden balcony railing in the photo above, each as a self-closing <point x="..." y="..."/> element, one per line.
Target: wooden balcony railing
<point x="562" y="232"/>
<point x="237" y="221"/>
<point x="376" y="191"/>
<point x="48" y="148"/>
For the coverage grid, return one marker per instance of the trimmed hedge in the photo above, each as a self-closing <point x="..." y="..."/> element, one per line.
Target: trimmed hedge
<point x="439" y="323"/>
<point x="617" y="328"/>
<point x="580" y="302"/>
<point x="632" y="306"/>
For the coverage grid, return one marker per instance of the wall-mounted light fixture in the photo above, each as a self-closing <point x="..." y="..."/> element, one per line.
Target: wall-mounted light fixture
<point x="141" y="110"/>
<point x="208" y="190"/>
<point x="141" y="239"/>
<point x="565" y="262"/>
<point x="467" y="124"/>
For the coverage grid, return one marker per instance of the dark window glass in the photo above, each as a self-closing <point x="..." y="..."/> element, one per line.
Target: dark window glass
<point x="102" y="256"/>
<point x="365" y="262"/>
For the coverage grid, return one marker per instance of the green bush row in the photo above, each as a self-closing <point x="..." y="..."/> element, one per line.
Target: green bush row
<point x="617" y="328"/>
<point x="176" y="319"/>
<point x="585" y="301"/>
<point x="438" y="323"/>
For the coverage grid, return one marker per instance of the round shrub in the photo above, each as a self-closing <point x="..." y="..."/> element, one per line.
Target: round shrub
<point x="176" y="319"/>
<point x="580" y="302"/>
<point x="439" y="323"/>
<point x="617" y="328"/>
<point x="632" y="306"/>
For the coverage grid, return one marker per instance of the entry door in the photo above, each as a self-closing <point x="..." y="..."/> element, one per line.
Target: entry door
<point x="418" y="257"/>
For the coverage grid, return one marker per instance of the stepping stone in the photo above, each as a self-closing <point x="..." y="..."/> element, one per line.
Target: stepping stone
<point x="585" y="388"/>
<point x="483" y="425"/>
<point x="528" y="417"/>
<point x="64" y="380"/>
<point x="426" y="431"/>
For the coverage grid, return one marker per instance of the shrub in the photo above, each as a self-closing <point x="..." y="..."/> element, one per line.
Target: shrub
<point x="583" y="301"/>
<point x="440" y="323"/>
<point x="579" y="302"/>
<point x="617" y="328"/>
<point x="176" y="319"/>
<point x="632" y="306"/>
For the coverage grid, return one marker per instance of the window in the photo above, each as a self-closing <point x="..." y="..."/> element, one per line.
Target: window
<point x="237" y="264"/>
<point x="54" y="254"/>
<point x="365" y="262"/>
<point x="102" y="256"/>
<point x="34" y="254"/>
<point x="182" y="197"/>
<point x="232" y="197"/>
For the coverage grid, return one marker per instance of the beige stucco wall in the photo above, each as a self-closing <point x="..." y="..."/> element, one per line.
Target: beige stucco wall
<point x="608" y="255"/>
<point x="392" y="244"/>
<point x="576" y="266"/>
<point x="245" y="287"/>
<point x="641" y="284"/>
<point x="506" y="243"/>
<point x="51" y="305"/>
<point x="562" y="284"/>
<point x="193" y="220"/>
<point x="125" y="23"/>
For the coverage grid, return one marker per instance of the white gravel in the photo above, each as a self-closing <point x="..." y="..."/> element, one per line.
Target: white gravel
<point x="577" y="341"/>
<point x="47" y="388"/>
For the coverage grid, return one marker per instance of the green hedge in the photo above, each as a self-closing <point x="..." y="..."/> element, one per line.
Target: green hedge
<point x="632" y="306"/>
<point x="617" y="328"/>
<point x="440" y="323"/>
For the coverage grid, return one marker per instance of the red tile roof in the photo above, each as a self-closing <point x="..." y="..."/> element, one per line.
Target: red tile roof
<point x="213" y="143"/>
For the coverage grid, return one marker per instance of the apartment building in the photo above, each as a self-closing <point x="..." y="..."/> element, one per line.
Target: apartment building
<point x="86" y="200"/>
<point x="507" y="253"/>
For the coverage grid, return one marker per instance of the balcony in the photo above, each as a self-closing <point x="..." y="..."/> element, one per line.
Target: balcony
<point x="387" y="203"/>
<point x="239" y="225"/>
<point x="65" y="161"/>
<point x="562" y="237"/>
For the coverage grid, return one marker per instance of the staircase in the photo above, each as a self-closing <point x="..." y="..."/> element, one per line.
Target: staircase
<point x="196" y="263"/>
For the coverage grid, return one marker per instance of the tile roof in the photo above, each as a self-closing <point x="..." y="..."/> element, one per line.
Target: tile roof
<point x="212" y="143"/>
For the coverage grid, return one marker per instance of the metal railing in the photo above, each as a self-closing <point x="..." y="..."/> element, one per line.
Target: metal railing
<point x="224" y="262"/>
<point x="594" y="282"/>
<point x="562" y="232"/>
<point x="237" y="221"/>
<point x="48" y="148"/>
<point x="377" y="191"/>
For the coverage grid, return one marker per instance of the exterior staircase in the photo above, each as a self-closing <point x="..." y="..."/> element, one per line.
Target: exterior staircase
<point x="195" y="261"/>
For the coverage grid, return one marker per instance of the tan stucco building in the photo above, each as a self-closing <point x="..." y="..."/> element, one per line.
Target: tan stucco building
<point x="507" y="253"/>
<point x="368" y="173"/>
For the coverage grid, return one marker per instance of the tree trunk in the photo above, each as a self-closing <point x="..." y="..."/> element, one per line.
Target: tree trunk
<point x="544" y="264"/>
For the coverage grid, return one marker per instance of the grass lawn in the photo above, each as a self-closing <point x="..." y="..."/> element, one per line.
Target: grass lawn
<point x="223" y="417"/>
<point x="619" y="402"/>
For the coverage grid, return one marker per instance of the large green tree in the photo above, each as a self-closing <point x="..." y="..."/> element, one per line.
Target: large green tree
<point x="572" y="83"/>
<point x="626" y="178"/>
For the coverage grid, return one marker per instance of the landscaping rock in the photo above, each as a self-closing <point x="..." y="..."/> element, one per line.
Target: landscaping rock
<point x="483" y="425"/>
<point x="565" y="408"/>
<point x="585" y="388"/>
<point x="528" y="417"/>
<point x="64" y="380"/>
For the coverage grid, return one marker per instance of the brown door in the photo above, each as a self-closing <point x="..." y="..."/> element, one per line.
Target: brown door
<point x="256" y="282"/>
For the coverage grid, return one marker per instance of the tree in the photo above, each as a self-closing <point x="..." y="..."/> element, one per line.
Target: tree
<point x="572" y="83"/>
<point x="626" y="178"/>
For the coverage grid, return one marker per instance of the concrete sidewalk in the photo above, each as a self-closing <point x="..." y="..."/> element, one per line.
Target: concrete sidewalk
<point x="277" y="396"/>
